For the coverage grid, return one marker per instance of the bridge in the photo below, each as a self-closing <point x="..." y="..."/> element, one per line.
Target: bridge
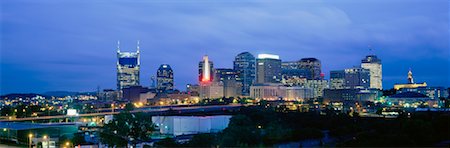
<point x="165" y="110"/>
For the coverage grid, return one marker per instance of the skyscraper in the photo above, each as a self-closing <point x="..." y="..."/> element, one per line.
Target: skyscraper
<point x="357" y="78"/>
<point x="244" y="65"/>
<point x="314" y="67"/>
<point x="337" y="79"/>
<point x="229" y="79"/>
<point x="128" y="66"/>
<point x="372" y="63"/>
<point x="208" y="87"/>
<point x="268" y="69"/>
<point x="205" y="70"/>
<point x="164" y="78"/>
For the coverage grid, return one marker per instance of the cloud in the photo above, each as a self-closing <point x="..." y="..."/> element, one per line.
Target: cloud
<point x="58" y="40"/>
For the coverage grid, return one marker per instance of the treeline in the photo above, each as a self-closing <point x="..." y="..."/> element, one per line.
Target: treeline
<point x="264" y="127"/>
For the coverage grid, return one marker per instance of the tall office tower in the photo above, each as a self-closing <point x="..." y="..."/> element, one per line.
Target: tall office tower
<point x="373" y="63"/>
<point x="244" y="65"/>
<point x="229" y="78"/>
<point x="128" y="66"/>
<point x="337" y="79"/>
<point x="268" y="69"/>
<point x="314" y="67"/>
<point x="208" y="87"/>
<point x="205" y="70"/>
<point x="290" y="65"/>
<point x="357" y="78"/>
<point x="164" y="78"/>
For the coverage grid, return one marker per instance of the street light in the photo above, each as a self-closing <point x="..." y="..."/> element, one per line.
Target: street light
<point x="112" y="107"/>
<point x="68" y="144"/>
<point x="45" y="138"/>
<point x="29" y="139"/>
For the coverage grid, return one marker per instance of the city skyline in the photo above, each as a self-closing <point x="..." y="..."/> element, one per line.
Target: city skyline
<point x="41" y="54"/>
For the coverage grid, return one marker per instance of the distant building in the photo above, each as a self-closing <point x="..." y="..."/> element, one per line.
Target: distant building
<point x="208" y="87"/>
<point x="357" y="78"/>
<point x="313" y="66"/>
<point x="108" y="94"/>
<point x="174" y="97"/>
<point x="412" y="100"/>
<point x="19" y="132"/>
<point x="273" y="91"/>
<point x="337" y="79"/>
<point x="268" y="69"/>
<point x="128" y="67"/>
<point x="138" y="94"/>
<point x="317" y="86"/>
<point x="352" y="95"/>
<point x="211" y="90"/>
<point x="193" y="89"/>
<point x="232" y="87"/>
<point x="434" y="92"/>
<point x="205" y="70"/>
<point x="244" y="65"/>
<point x="164" y="77"/>
<point x="285" y="65"/>
<point x="373" y="63"/>
<point x="410" y="83"/>
<point x="189" y="125"/>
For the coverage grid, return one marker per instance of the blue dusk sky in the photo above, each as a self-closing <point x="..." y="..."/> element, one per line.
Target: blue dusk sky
<point x="71" y="45"/>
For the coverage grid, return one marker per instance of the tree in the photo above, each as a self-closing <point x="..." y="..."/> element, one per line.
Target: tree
<point x="78" y="138"/>
<point x="167" y="142"/>
<point x="127" y="128"/>
<point x="129" y="107"/>
<point x="203" y="140"/>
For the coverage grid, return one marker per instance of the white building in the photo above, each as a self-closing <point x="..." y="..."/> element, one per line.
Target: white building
<point x="186" y="125"/>
<point x="372" y="63"/>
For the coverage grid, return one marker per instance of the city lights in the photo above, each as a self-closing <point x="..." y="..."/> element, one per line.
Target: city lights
<point x="225" y="74"/>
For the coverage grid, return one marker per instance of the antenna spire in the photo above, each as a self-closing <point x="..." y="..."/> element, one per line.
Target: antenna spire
<point x="118" y="46"/>
<point x="138" y="46"/>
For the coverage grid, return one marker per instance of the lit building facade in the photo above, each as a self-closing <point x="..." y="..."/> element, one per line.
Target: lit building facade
<point x="313" y="66"/>
<point x="337" y="79"/>
<point x="211" y="90"/>
<point x="291" y="72"/>
<point x="410" y="83"/>
<point x="245" y="65"/>
<point x="317" y="87"/>
<point x="229" y="78"/>
<point x="208" y="87"/>
<point x="205" y="70"/>
<point x="273" y="91"/>
<point x="352" y="95"/>
<point x="128" y="67"/>
<point x="373" y="64"/>
<point x="164" y="78"/>
<point x="357" y="78"/>
<point x="268" y="69"/>
<point x="412" y="100"/>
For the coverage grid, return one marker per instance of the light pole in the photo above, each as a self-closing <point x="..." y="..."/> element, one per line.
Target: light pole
<point x="112" y="107"/>
<point x="45" y="139"/>
<point x="68" y="144"/>
<point x="29" y="139"/>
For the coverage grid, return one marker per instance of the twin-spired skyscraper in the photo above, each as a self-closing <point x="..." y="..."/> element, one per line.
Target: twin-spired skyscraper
<point x="128" y="67"/>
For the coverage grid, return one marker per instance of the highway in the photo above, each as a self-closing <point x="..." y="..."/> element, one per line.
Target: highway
<point x="152" y="109"/>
